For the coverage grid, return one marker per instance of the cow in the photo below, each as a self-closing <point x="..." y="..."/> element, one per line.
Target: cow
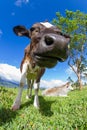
<point x="61" y="90"/>
<point x="32" y="73"/>
<point x="48" y="46"/>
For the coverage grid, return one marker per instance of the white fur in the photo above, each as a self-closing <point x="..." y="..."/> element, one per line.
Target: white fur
<point x="65" y="91"/>
<point x="16" y="104"/>
<point x="36" y="101"/>
<point x="59" y="91"/>
<point x="36" y="85"/>
<point x="46" y="24"/>
<point x="23" y="74"/>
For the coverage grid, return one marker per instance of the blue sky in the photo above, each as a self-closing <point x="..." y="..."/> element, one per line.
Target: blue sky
<point x="27" y="12"/>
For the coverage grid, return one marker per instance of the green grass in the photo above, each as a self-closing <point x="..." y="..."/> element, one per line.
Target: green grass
<point x="56" y="113"/>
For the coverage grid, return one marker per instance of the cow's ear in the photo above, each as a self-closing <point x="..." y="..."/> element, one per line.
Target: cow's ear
<point x="21" y="31"/>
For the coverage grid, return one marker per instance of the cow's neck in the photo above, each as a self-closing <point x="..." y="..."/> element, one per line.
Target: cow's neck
<point x="32" y="70"/>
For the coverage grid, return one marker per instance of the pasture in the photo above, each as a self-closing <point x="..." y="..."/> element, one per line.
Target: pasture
<point x="55" y="113"/>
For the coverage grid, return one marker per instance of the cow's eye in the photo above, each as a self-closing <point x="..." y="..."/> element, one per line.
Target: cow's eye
<point x="32" y="29"/>
<point x="60" y="33"/>
<point x="37" y="30"/>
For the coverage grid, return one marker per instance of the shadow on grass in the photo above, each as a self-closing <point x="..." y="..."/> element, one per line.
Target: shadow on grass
<point x="6" y="115"/>
<point x="45" y="106"/>
<point x="27" y="103"/>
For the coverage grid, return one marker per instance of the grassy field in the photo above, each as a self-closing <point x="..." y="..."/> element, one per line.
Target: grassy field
<point x="55" y="113"/>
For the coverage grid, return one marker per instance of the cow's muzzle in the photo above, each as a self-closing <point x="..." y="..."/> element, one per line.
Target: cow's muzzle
<point x="51" y="49"/>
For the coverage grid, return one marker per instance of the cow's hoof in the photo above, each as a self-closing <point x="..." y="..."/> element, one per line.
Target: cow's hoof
<point x="36" y="105"/>
<point x="15" y="107"/>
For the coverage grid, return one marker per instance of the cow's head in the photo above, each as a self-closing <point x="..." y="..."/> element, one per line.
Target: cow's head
<point x="48" y="44"/>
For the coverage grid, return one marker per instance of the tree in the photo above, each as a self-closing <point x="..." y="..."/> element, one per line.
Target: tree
<point x="70" y="80"/>
<point x="84" y="76"/>
<point x="75" y="24"/>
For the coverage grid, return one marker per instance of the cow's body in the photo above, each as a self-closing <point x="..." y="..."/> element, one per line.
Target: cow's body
<point x="58" y="91"/>
<point x="32" y="73"/>
<point x="48" y="46"/>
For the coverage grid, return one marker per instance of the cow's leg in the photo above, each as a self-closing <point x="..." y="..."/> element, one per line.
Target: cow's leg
<point x="36" y="99"/>
<point x="29" y="89"/>
<point x="17" y="102"/>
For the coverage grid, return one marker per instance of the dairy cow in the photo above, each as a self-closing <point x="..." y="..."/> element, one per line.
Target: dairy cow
<point x="47" y="47"/>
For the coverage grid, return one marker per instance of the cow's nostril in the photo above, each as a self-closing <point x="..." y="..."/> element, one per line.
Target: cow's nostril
<point x="49" y="40"/>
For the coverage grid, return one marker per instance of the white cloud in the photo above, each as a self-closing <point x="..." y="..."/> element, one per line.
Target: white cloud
<point x="20" y="2"/>
<point x="9" y="72"/>
<point x="51" y="83"/>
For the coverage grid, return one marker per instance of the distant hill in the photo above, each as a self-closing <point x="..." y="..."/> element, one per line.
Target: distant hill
<point x="7" y="83"/>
